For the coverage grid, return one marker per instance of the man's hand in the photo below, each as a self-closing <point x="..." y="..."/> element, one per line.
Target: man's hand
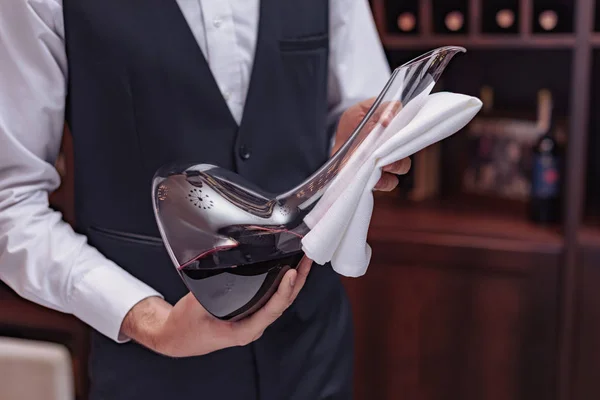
<point x="382" y="115"/>
<point x="187" y="329"/>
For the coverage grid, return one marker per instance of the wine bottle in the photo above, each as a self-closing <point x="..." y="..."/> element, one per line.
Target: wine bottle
<point x="546" y="179"/>
<point x="450" y="16"/>
<point x="402" y="17"/>
<point x="500" y="16"/>
<point x="553" y="16"/>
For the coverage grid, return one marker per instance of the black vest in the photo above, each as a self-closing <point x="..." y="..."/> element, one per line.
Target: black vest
<point x="141" y="95"/>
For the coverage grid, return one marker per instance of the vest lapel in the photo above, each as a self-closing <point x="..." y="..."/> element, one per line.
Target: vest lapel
<point x="176" y="41"/>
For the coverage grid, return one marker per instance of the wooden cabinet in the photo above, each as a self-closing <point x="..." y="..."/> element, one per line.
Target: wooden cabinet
<point x="586" y="371"/>
<point x="445" y="317"/>
<point x="516" y="310"/>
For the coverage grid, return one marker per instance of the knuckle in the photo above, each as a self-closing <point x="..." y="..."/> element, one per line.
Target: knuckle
<point x="275" y="314"/>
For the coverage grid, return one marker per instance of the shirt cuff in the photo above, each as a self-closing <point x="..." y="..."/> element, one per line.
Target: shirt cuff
<point x="104" y="296"/>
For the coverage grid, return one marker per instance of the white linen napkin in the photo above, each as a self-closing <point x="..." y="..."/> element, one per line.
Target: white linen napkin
<point x="339" y="222"/>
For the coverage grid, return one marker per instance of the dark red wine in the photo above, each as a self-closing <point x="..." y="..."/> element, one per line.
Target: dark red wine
<point x="232" y="293"/>
<point x="234" y="282"/>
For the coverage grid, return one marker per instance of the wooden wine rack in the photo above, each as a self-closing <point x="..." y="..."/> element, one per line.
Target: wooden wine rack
<point x="475" y="38"/>
<point x="538" y="336"/>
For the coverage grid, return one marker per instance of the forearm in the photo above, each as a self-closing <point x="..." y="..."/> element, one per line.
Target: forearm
<point x="41" y="257"/>
<point x="145" y="322"/>
<point x="46" y="262"/>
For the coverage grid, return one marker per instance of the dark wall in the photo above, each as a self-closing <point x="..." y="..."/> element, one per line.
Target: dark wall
<point x="515" y="75"/>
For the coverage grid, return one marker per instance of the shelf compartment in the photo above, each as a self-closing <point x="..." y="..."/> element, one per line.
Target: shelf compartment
<point x="402" y="18"/>
<point x="500" y="17"/>
<point x="553" y="17"/>
<point x="450" y="17"/>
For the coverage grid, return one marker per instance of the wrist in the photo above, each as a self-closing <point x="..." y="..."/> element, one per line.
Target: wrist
<point x="145" y="323"/>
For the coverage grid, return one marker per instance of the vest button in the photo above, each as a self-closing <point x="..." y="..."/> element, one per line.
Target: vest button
<point x="244" y="152"/>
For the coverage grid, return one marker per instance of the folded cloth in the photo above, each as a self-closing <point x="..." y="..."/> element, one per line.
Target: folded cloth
<point x="339" y="222"/>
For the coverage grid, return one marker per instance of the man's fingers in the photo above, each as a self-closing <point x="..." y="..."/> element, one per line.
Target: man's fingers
<point x="390" y="111"/>
<point x="280" y="300"/>
<point x="303" y="270"/>
<point x="387" y="182"/>
<point x="251" y="328"/>
<point x="399" y="167"/>
<point x="367" y="104"/>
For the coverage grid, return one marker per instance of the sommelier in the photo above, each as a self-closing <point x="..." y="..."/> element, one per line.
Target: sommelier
<point x="141" y="84"/>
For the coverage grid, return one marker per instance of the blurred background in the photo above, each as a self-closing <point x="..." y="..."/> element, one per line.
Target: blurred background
<point x="485" y="278"/>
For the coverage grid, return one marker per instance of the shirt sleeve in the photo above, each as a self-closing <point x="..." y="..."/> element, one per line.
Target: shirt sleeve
<point x="41" y="257"/>
<point x="358" y="67"/>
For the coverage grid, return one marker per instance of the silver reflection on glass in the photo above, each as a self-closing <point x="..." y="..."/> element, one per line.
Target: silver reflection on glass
<point x="230" y="241"/>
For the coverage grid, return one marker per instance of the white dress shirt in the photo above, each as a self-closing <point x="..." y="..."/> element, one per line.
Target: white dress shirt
<point x="41" y="257"/>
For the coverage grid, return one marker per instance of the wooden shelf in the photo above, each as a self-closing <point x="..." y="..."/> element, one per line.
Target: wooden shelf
<point x="461" y="223"/>
<point x="553" y="41"/>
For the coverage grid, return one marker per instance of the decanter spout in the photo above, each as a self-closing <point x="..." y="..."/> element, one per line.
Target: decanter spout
<point x="401" y="97"/>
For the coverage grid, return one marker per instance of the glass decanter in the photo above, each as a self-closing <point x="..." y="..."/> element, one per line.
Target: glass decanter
<point x="232" y="242"/>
